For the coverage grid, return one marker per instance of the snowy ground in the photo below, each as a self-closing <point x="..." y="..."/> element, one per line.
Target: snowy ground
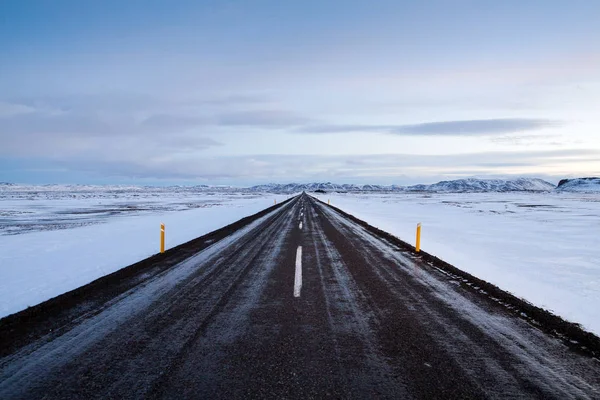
<point x="53" y="240"/>
<point x="542" y="247"/>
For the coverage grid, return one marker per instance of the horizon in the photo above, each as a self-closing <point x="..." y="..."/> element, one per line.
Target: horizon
<point x="242" y="94"/>
<point x="281" y="183"/>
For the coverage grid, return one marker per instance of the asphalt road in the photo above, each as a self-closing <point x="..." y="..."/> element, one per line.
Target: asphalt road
<point x="302" y="303"/>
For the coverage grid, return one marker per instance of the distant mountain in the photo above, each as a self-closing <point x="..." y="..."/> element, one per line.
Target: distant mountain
<point x="311" y="187"/>
<point x="591" y="184"/>
<point x="455" y="186"/>
<point x="485" y="185"/>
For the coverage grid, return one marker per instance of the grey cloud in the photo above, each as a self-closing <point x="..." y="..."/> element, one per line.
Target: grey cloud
<point x="456" y="128"/>
<point x="119" y="114"/>
<point x="9" y="109"/>
<point x="171" y="121"/>
<point x="86" y="103"/>
<point x="236" y="99"/>
<point x="264" y="118"/>
<point x="187" y="143"/>
<point x="62" y="124"/>
<point x="81" y="125"/>
<point x="476" y="127"/>
<point x="328" y="128"/>
<point x="127" y="102"/>
<point x="70" y="134"/>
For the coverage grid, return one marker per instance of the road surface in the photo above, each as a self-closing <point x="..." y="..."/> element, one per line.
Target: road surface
<point x="301" y="303"/>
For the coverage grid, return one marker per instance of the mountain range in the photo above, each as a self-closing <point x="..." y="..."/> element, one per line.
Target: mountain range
<point x="454" y="186"/>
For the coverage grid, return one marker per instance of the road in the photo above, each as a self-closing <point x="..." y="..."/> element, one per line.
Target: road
<point x="301" y="303"/>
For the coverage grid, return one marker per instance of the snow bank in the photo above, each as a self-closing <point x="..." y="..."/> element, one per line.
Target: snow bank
<point x="541" y="247"/>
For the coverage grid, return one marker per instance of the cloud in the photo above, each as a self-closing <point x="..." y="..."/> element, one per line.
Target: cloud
<point x="172" y="122"/>
<point x="263" y="118"/>
<point x="131" y="102"/>
<point x="88" y="137"/>
<point x="67" y="124"/>
<point x="189" y="143"/>
<point x="10" y="109"/>
<point x="136" y="114"/>
<point x="480" y="127"/>
<point x="476" y="127"/>
<point x="236" y="99"/>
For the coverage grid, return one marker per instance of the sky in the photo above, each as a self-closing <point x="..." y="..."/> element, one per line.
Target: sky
<point x="249" y="92"/>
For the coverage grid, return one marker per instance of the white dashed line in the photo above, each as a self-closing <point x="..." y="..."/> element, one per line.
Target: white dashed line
<point x="298" y="277"/>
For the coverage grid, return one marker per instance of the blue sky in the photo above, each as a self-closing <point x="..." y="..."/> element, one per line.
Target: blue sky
<point x="244" y="92"/>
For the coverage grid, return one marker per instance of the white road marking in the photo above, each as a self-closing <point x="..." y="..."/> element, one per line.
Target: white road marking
<point x="300" y="225"/>
<point x="298" y="277"/>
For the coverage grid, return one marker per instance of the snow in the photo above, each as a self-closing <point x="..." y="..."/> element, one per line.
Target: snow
<point x="584" y="185"/>
<point x="53" y="241"/>
<point x="542" y="247"/>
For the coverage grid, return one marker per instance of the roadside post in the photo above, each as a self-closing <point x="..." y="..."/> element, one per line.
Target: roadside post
<point x="418" y="246"/>
<point x="327" y="201"/>
<point x="162" y="238"/>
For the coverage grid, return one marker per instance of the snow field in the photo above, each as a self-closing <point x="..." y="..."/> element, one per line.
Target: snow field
<point x="542" y="247"/>
<point x="38" y="265"/>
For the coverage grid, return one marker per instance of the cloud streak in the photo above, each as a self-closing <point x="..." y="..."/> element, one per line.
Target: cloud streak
<point x="481" y="127"/>
<point x="172" y="122"/>
<point x="263" y="118"/>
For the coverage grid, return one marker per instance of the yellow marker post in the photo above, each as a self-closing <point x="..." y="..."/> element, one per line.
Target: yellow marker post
<point x="162" y="238"/>
<point x="418" y="246"/>
<point x="327" y="201"/>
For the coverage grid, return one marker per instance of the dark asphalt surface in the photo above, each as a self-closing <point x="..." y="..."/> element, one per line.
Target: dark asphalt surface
<point x="370" y="322"/>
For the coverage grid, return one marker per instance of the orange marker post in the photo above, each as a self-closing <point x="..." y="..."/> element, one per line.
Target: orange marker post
<point x="162" y="238"/>
<point x="418" y="246"/>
